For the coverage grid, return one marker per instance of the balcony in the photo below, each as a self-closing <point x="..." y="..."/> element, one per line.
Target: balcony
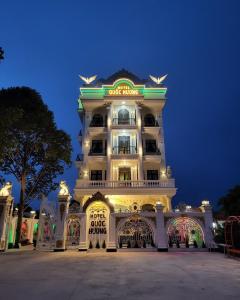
<point x="124" y="150"/>
<point x="127" y="121"/>
<point x="150" y="151"/>
<point x="153" y="123"/>
<point x="137" y="184"/>
<point x="127" y="187"/>
<point x="97" y="152"/>
<point x="97" y="124"/>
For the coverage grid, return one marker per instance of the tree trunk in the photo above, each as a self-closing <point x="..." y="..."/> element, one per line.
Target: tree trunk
<point x="20" y="212"/>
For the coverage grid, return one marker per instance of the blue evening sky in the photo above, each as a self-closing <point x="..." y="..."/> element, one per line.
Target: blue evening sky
<point x="48" y="43"/>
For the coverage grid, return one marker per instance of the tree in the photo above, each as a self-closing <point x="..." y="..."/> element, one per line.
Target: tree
<point x="32" y="148"/>
<point x="1" y="54"/>
<point x="230" y="203"/>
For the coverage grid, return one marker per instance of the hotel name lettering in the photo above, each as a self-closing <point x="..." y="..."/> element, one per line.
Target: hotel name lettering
<point x="123" y="90"/>
<point x="98" y="222"/>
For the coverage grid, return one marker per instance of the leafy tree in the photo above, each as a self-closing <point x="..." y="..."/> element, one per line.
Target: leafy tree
<point x="1" y="54"/>
<point x="230" y="203"/>
<point x="32" y="148"/>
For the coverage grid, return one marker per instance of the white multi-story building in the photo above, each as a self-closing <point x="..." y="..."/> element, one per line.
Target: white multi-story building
<point x="122" y="197"/>
<point x="123" y="194"/>
<point x="122" y="143"/>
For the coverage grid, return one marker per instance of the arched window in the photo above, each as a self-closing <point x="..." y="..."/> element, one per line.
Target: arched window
<point x="123" y="116"/>
<point x="97" y="120"/>
<point x="149" y="120"/>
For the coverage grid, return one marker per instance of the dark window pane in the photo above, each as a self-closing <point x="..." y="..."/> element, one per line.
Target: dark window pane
<point x="96" y="175"/>
<point x="152" y="174"/>
<point x="97" y="146"/>
<point x="151" y="146"/>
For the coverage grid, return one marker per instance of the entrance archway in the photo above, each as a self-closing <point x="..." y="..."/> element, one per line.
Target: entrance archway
<point x="73" y="232"/>
<point x="184" y="232"/>
<point x="135" y="232"/>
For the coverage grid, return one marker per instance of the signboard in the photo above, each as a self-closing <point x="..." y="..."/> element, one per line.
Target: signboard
<point x="123" y="90"/>
<point x="97" y="221"/>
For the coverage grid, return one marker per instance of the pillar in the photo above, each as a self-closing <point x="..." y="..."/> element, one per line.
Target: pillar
<point x="111" y="243"/>
<point x="83" y="246"/>
<point x="6" y="203"/>
<point x="208" y="221"/>
<point x="31" y="229"/>
<point x="62" y="211"/>
<point x="109" y="143"/>
<point x="161" y="241"/>
<point x="139" y="143"/>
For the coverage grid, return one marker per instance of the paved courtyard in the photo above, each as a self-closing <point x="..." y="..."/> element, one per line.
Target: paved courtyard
<point x="126" y="275"/>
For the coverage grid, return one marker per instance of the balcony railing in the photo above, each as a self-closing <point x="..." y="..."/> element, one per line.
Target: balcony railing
<point x="151" y="124"/>
<point x="129" y="121"/>
<point x="138" y="184"/>
<point x="97" y="152"/>
<point x="151" y="152"/>
<point x="97" y="124"/>
<point x="124" y="150"/>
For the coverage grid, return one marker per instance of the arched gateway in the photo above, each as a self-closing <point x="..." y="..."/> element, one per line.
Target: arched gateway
<point x="135" y="232"/>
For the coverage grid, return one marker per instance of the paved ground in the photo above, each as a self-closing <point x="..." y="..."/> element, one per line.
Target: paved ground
<point x="148" y="275"/>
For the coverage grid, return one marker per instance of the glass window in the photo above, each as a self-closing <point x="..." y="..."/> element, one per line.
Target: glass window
<point x="97" y="146"/>
<point x="152" y="174"/>
<point x="151" y="146"/>
<point x="96" y="175"/>
<point x="123" y="116"/>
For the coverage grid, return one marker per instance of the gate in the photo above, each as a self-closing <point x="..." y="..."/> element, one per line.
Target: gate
<point x="135" y="233"/>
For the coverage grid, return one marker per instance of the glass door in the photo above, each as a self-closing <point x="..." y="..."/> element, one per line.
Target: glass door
<point x="124" y="145"/>
<point x="124" y="174"/>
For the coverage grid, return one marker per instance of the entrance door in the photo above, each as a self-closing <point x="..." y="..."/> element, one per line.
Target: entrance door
<point x="124" y="174"/>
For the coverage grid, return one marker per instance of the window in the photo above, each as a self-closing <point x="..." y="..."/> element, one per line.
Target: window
<point x="149" y="120"/>
<point x="97" y="146"/>
<point x="97" y="120"/>
<point x="152" y="174"/>
<point x="151" y="146"/>
<point x="123" y="116"/>
<point x="124" y="174"/>
<point x="96" y="175"/>
<point x="124" y="144"/>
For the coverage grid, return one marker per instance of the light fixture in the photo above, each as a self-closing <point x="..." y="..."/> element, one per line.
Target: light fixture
<point x="205" y="202"/>
<point x="188" y="207"/>
<point x="214" y="225"/>
<point x="123" y="102"/>
<point x="32" y="212"/>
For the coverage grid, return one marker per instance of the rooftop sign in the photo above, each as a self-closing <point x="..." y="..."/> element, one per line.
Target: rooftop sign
<point x="122" y="87"/>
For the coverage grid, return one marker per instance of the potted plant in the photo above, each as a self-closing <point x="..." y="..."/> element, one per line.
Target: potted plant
<point x="104" y="245"/>
<point x="90" y="245"/>
<point x="97" y="245"/>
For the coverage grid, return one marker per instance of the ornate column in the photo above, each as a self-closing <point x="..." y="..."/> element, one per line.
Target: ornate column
<point x="161" y="146"/>
<point x="62" y="211"/>
<point x="83" y="246"/>
<point x="208" y="220"/>
<point x="139" y="141"/>
<point x="6" y="204"/>
<point x="161" y="241"/>
<point x="109" y="142"/>
<point x="111" y="243"/>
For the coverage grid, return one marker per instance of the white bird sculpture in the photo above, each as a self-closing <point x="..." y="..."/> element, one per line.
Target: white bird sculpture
<point x="158" y="80"/>
<point x="88" y="80"/>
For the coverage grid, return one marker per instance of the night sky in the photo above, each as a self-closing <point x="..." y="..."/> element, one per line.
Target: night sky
<point x="197" y="43"/>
